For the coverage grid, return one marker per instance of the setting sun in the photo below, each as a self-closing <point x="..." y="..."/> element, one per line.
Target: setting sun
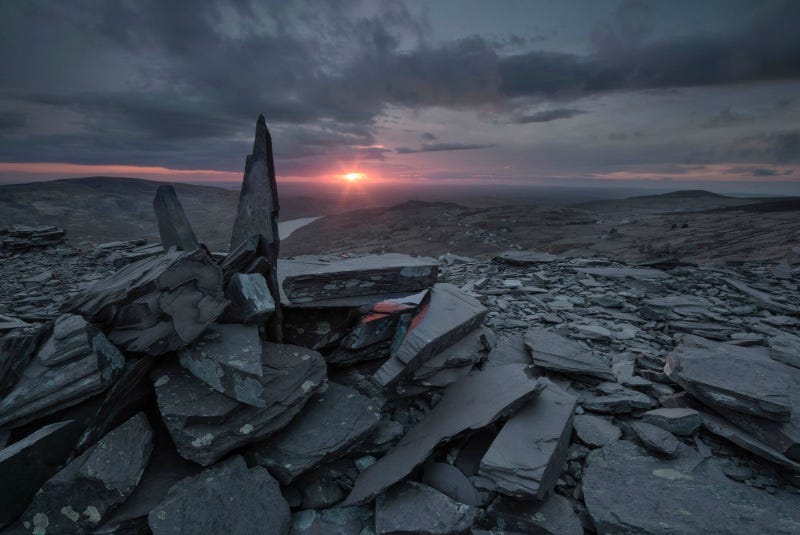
<point x="353" y="177"/>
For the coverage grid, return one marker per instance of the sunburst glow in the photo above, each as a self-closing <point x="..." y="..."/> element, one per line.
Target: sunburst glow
<point x="354" y="177"/>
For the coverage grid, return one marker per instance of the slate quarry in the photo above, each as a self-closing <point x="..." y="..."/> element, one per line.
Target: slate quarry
<point x="160" y="388"/>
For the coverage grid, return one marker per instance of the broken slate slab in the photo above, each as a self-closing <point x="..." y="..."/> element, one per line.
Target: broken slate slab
<point x="339" y="520"/>
<point x="552" y="516"/>
<point x="617" y="400"/>
<point x="173" y="225"/>
<point x="722" y="376"/>
<point x="228" y="359"/>
<point x="229" y="498"/>
<point x="471" y="403"/>
<point x="29" y="463"/>
<point x="452" y="482"/>
<point x="156" y="305"/>
<point x="329" y="425"/>
<point x="304" y="279"/>
<point x="762" y="299"/>
<point x="413" y="508"/>
<point x="526" y="258"/>
<point x="556" y="353"/>
<point x="466" y="352"/>
<point x="73" y="364"/>
<point x="17" y="349"/>
<point x="379" y="324"/>
<point x="682" y="495"/>
<point x="526" y="458"/>
<point x="680" y="421"/>
<point x="625" y="272"/>
<point x="508" y="350"/>
<point x="595" y="430"/>
<point x="79" y="497"/>
<point x="250" y="300"/>
<point x="205" y="424"/>
<point x="784" y="348"/>
<point x="656" y="439"/>
<point x="449" y="315"/>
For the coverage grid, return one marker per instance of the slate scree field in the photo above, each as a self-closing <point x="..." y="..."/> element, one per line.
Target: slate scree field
<point x="167" y="389"/>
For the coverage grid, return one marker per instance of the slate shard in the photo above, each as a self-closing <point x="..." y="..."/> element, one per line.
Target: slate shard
<point x="656" y="439"/>
<point x="29" y="463"/>
<point x="156" y="305"/>
<point x="556" y="353"/>
<point x="595" y="430"/>
<point x="173" y="225"/>
<point x="551" y="516"/>
<point x="228" y="498"/>
<point x="413" y="508"/>
<point x="448" y="316"/>
<point x="526" y="458"/>
<point x="250" y="299"/>
<point x="79" y="497"/>
<point x="17" y="349"/>
<point x="732" y="378"/>
<point x="73" y="364"/>
<point x="339" y="520"/>
<point x="329" y="425"/>
<point x="307" y="279"/>
<point x="682" y="495"/>
<point x="680" y="421"/>
<point x="472" y="403"/>
<point x="228" y="359"/>
<point x="379" y="324"/>
<point x="205" y="424"/>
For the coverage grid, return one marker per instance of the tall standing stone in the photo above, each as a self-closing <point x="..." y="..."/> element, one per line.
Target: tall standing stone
<point x="258" y="211"/>
<point x="173" y="226"/>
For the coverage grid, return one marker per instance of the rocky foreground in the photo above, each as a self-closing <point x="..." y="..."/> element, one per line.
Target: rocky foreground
<point x="529" y="394"/>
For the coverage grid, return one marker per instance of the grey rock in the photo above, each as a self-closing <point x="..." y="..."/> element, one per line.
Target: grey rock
<point x="509" y="350"/>
<point x="79" y="497"/>
<point x="462" y="355"/>
<point x="412" y="508"/>
<point x="250" y="299"/>
<point x="680" y="421"/>
<point x="73" y="364"/>
<point x="29" y="462"/>
<point x="733" y="378"/>
<point x="656" y="439"/>
<point x="338" y="520"/>
<point x="205" y="425"/>
<point x="618" y="400"/>
<point x="306" y="279"/>
<point x="762" y="299"/>
<point x="173" y="225"/>
<point x="156" y="305"/>
<point x="556" y="353"/>
<point x="329" y="425"/>
<point x="683" y="495"/>
<point x="595" y="430"/>
<point x="452" y="482"/>
<point x="526" y="258"/>
<point x="783" y="347"/>
<point x="471" y="403"/>
<point x="446" y="318"/>
<point x="17" y="349"/>
<point x="551" y="516"/>
<point x="228" y="498"/>
<point x="645" y="274"/>
<point x="526" y="458"/>
<point x="228" y="359"/>
<point x="321" y="493"/>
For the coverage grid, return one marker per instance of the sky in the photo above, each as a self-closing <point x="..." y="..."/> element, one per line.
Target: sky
<point x="671" y="94"/>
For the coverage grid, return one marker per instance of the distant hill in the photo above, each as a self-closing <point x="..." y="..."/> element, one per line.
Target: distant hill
<point x="684" y="194"/>
<point x="674" y="201"/>
<point x="101" y="209"/>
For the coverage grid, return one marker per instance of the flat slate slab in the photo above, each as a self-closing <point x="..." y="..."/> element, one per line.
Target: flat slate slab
<point x="656" y="439"/>
<point x="732" y="379"/>
<point x="328" y="426"/>
<point x="79" y="497"/>
<point x="229" y="498"/>
<point x="556" y="353"/>
<point x="155" y="305"/>
<point x="449" y="315"/>
<point x="526" y="258"/>
<point x="471" y="403"/>
<point x="74" y="363"/>
<point x="452" y="482"/>
<point x="465" y="353"/>
<point x="625" y="273"/>
<point x="526" y="458"/>
<point x="682" y="495"/>
<point x="205" y="424"/>
<point x="551" y="516"/>
<point x="304" y="279"/>
<point x="228" y="359"/>
<point x="680" y="421"/>
<point x="413" y="508"/>
<point x="595" y="430"/>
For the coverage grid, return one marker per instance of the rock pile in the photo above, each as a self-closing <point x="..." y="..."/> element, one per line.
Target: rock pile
<point x="529" y="394"/>
<point x="22" y="238"/>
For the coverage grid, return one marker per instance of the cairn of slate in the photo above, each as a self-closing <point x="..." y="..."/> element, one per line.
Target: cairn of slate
<point x="529" y="394"/>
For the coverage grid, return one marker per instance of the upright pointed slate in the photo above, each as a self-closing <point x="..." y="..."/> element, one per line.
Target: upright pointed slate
<point x="258" y="211"/>
<point x="173" y="225"/>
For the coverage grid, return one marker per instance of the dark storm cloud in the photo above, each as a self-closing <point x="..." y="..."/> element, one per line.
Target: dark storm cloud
<point x="441" y="147"/>
<point x="427" y="136"/>
<point x="726" y="117"/>
<point x="176" y="82"/>
<point x="774" y="147"/>
<point x="548" y="115"/>
<point x="758" y="171"/>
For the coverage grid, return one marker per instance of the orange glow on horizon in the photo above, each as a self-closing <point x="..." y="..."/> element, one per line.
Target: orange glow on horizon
<point x="354" y="177"/>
